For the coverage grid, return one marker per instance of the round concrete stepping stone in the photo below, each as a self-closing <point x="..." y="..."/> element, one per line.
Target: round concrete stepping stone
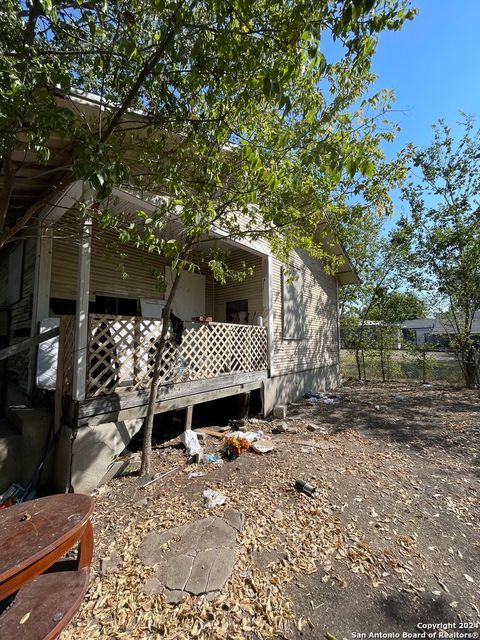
<point x="199" y="561"/>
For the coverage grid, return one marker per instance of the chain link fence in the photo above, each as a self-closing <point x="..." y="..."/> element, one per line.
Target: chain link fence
<point x="435" y="366"/>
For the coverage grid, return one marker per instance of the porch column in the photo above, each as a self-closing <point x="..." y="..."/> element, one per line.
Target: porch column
<point x="268" y="307"/>
<point x="339" y="335"/>
<point x="43" y="272"/>
<point x="41" y="291"/>
<point x="80" y="351"/>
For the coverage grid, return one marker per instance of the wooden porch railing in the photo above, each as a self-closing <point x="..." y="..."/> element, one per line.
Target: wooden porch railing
<point x="121" y="352"/>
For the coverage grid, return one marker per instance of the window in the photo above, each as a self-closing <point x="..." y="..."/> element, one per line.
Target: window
<point x="237" y="312"/>
<point x="292" y="303"/>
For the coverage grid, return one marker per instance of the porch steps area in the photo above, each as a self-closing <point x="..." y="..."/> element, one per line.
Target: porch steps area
<point x="10" y="453"/>
<point x="23" y="435"/>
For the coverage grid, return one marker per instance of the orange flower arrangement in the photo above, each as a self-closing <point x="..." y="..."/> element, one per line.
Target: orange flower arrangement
<point x="235" y="446"/>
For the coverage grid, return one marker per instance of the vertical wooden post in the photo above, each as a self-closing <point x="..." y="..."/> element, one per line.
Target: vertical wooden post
<point x="268" y="309"/>
<point x="188" y="418"/>
<point x="80" y="351"/>
<point x="244" y="407"/>
<point x="43" y="272"/>
<point x="57" y="417"/>
<point x="41" y="291"/>
<point x="339" y="344"/>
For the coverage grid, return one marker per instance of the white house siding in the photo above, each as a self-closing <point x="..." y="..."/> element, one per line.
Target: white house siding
<point x="309" y="363"/>
<point x="106" y="272"/>
<point x="249" y="289"/>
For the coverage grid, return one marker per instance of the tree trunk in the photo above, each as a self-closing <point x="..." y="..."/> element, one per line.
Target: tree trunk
<point x="359" y="365"/>
<point x="470" y="368"/>
<point x="146" y="464"/>
<point x="424" y="367"/>
<point x="382" y="357"/>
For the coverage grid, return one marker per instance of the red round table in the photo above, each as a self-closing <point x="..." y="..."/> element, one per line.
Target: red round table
<point x="36" y="534"/>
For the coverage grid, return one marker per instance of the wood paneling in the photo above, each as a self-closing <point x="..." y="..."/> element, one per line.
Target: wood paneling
<point x="116" y="269"/>
<point x="319" y="345"/>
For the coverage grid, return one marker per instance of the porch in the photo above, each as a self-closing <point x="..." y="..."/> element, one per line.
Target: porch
<point x="213" y="360"/>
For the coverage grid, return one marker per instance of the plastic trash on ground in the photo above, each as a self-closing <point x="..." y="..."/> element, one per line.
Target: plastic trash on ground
<point x="263" y="446"/>
<point x="213" y="499"/>
<point x="251" y="436"/>
<point x="190" y="440"/>
<point x="326" y="398"/>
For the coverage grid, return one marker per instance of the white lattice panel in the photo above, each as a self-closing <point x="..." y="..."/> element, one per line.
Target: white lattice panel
<point x="122" y="352"/>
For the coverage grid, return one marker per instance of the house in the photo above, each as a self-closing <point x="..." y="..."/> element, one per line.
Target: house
<point x="77" y="336"/>
<point x="443" y="325"/>
<point x="418" y="330"/>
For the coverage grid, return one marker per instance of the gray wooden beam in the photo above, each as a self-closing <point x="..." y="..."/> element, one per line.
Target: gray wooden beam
<point x="167" y="405"/>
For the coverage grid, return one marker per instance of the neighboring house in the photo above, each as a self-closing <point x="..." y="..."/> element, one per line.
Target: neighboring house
<point x="443" y="325"/>
<point x="94" y="376"/>
<point x="418" y="331"/>
<point x="372" y="332"/>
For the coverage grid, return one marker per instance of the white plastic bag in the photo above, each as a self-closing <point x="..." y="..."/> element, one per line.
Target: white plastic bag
<point x="190" y="440"/>
<point x="213" y="499"/>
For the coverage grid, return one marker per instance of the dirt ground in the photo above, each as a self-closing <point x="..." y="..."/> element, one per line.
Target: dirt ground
<point x="389" y="540"/>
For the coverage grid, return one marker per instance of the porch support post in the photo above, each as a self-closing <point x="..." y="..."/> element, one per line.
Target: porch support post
<point x="188" y="418"/>
<point x="268" y="308"/>
<point x="43" y="272"/>
<point x="41" y="291"/>
<point x="80" y="352"/>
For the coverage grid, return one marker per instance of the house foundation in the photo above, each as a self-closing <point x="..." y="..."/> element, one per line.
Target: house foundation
<point x="86" y="454"/>
<point x="279" y="390"/>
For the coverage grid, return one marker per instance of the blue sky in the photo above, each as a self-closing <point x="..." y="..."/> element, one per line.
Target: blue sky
<point x="433" y="65"/>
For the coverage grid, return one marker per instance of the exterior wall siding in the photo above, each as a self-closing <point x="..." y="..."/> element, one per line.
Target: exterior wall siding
<point x="135" y="277"/>
<point x="319" y="345"/>
<point x="249" y="289"/>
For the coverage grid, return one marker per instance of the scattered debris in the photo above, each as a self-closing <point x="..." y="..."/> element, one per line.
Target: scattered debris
<point x="326" y="398"/>
<point x="156" y="477"/>
<point x="263" y="446"/>
<point x="280" y="411"/>
<point x="210" y="431"/>
<point x="235" y="445"/>
<point x="196" y="474"/>
<point x="319" y="549"/>
<point x="282" y="427"/>
<point x="212" y="499"/>
<point x="304" y="487"/>
<point x="211" y="458"/>
<point x="190" y="440"/>
<point x="315" y="428"/>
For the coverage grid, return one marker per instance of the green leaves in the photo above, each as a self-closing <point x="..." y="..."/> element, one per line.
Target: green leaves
<point x="444" y="230"/>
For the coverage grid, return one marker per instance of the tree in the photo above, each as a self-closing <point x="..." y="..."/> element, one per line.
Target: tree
<point x="227" y="108"/>
<point x="182" y="67"/>
<point x="396" y="306"/>
<point x="444" y="233"/>
<point x="380" y="262"/>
